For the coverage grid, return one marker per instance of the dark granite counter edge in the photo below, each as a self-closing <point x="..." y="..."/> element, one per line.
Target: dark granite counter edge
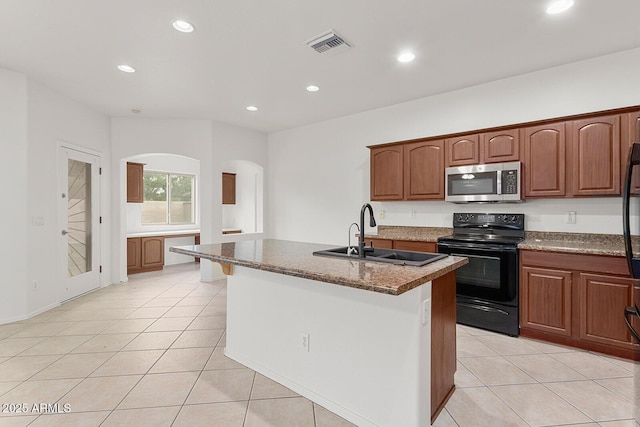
<point x="305" y="274"/>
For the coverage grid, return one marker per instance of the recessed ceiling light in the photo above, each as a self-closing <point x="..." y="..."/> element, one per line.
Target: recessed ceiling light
<point x="126" y="68"/>
<point x="252" y="108"/>
<point x="313" y="88"/>
<point x="183" y="26"/>
<point x="406" y="57"/>
<point x="559" y="6"/>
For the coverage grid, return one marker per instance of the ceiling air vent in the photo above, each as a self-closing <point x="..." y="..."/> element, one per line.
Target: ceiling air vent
<point x="328" y="43"/>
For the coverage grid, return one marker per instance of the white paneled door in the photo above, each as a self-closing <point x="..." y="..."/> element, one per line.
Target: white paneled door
<point x="79" y="224"/>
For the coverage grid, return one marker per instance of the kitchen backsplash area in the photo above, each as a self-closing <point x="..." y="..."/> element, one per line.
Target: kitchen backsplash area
<point x="593" y="215"/>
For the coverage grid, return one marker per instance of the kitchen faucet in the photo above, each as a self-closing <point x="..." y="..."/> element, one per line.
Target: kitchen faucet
<point x="372" y="223"/>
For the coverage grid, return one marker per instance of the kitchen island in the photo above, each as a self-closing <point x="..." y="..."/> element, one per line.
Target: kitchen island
<point x="372" y="342"/>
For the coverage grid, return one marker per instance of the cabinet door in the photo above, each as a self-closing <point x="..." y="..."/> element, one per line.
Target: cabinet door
<point x="545" y="300"/>
<point x="387" y="173"/>
<point x="500" y="146"/>
<point x="134" y="255"/>
<point x="602" y="302"/>
<point x="424" y="170"/>
<point x="135" y="183"/>
<point x="595" y="156"/>
<point x="544" y="160"/>
<point x="631" y="134"/>
<point x="463" y="150"/>
<point x="152" y="252"/>
<point x="410" y="245"/>
<point x="228" y="188"/>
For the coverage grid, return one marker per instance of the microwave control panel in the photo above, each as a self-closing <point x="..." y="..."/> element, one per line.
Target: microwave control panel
<point x="510" y="182"/>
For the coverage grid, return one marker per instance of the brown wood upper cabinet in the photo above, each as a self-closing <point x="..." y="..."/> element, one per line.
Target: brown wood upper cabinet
<point x="135" y="183"/>
<point x="228" y="188"/>
<point x="500" y="146"/>
<point x="463" y="150"/>
<point x="630" y="134"/>
<point x="490" y="147"/>
<point x="424" y="171"/>
<point x="595" y="156"/>
<point x="387" y="172"/>
<point x="544" y="160"/>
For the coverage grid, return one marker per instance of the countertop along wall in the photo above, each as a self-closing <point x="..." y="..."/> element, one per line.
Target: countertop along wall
<point x="319" y="174"/>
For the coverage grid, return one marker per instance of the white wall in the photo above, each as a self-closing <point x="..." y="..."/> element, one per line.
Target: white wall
<point x="33" y="121"/>
<point x="318" y="175"/>
<point x="14" y="216"/>
<point x="231" y="143"/>
<point x="243" y="214"/>
<point x="53" y="118"/>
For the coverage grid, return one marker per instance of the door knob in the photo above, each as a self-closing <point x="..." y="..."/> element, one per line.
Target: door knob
<point x="65" y="232"/>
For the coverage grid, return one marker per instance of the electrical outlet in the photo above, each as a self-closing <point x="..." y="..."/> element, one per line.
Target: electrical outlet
<point x="412" y="213"/>
<point x="571" y="217"/>
<point x="304" y="341"/>
<point x="381" y="214"/>
<point x="35" y="285"/>
<point x="426" y="311"/>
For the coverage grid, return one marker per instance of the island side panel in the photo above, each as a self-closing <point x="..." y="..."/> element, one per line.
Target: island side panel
<point x="443" y="341"/>
<point x="369" y="353"/>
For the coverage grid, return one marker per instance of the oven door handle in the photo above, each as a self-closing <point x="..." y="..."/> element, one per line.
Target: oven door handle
<point x="483" y="308"/>
<point x="478" y="247"/>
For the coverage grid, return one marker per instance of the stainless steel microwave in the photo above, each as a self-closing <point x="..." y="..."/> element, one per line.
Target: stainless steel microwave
<point x="496" y="182"/>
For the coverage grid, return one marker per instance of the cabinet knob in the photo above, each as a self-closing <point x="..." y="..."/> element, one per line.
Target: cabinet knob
<point x="65" y="232"/>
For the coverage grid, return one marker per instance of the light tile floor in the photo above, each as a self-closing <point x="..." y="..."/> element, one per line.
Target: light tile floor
<point x="150" y="353"/>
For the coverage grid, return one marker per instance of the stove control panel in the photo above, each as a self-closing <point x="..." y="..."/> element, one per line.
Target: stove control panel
<point x="488" y="220"/>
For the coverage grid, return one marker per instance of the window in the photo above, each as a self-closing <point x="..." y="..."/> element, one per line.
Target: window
<point x="168" y="198"/>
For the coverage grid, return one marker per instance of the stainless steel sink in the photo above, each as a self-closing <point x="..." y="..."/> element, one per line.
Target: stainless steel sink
<point x="391" y="256"/>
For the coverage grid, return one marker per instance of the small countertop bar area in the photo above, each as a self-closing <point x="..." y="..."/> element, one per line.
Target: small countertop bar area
<point x="372" y="342"/>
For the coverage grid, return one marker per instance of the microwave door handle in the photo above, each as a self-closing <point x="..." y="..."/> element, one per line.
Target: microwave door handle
<point x="633" y="160"/>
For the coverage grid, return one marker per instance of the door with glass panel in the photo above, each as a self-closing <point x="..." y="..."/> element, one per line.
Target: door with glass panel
<point x="79" y="222"/>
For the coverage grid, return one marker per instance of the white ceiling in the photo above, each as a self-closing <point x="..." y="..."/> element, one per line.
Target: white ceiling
<point x="247" y="52"/>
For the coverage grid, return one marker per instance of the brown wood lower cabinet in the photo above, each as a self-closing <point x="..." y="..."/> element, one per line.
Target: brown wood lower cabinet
<point x="134" y="255"/>
<point x="145" y="254"/>
<point x="402" y="245"/>
<point x="539" y="287"/>
<point x="379" y="243"/>
<point x="577" y="300"/>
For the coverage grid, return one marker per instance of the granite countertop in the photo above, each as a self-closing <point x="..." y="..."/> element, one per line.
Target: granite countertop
<point x="296" y="259"/>
<point x="580" y="243"/>
<point x="418" y="234"/>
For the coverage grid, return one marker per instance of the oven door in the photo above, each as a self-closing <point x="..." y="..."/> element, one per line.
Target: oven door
<point x="491" y="274"/>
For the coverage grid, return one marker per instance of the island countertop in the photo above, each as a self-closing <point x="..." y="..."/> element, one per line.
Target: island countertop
<point x="296" y="259"/>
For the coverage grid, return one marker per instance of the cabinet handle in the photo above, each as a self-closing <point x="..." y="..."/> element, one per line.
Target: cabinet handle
<point x="630" y="311"/>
